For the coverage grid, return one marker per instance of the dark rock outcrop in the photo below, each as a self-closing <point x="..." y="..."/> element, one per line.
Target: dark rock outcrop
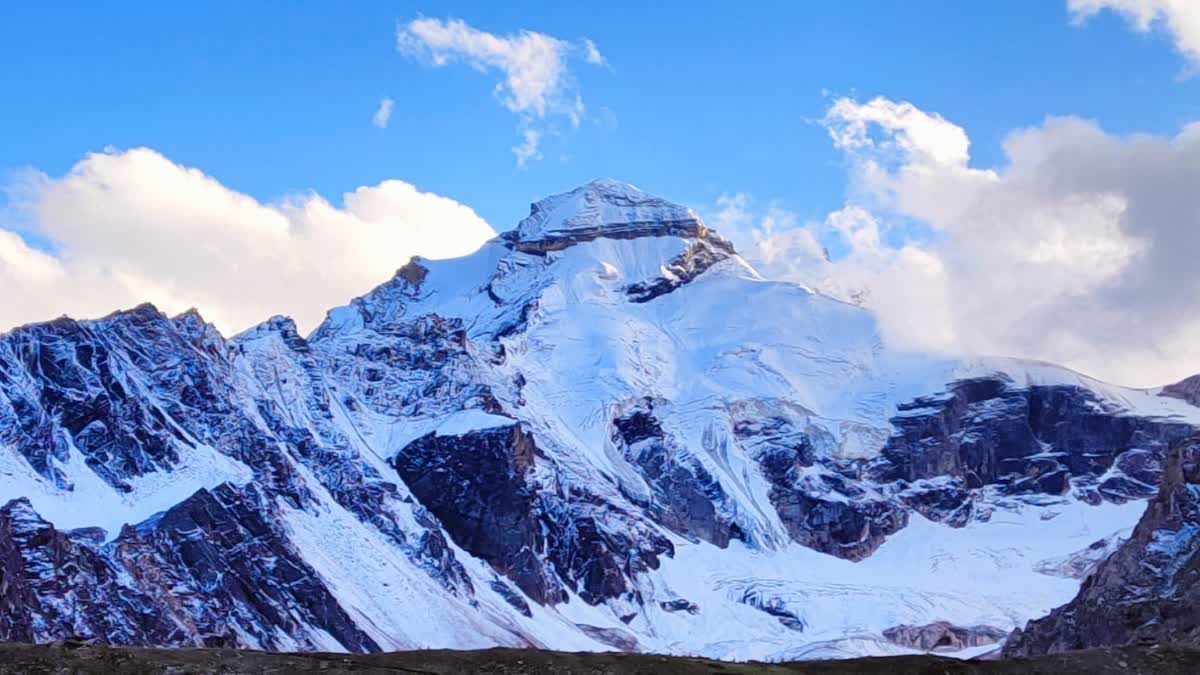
<point x="1149" y="589"/>
<point x="685" y="497"/>
<point x="946" y="449"/>
<point x="680" y="605"/>
<point x="943" y="636"/>
<point x="703" y="254"/>
<point x="598" y="548"/>
<point x="478" y="486"/>
<point x="1187" y="389"/>
<point x="138" y="394"/>
<point x="1032" y="440"/>
<point x="75" y="383"/>
<point x="690" y="227"/>
<point x="821" y="508"/>
<point x="775" y="607"/>
<point x="52" y="587"/>
<point x="203" y="562"/>
<point x="212" y="571"/>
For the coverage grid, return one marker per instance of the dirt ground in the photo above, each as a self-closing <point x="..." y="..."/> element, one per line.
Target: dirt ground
<point x="74" y="657"/>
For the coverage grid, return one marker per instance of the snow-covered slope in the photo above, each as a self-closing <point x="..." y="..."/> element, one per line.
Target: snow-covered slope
<point x="602" y="430"/>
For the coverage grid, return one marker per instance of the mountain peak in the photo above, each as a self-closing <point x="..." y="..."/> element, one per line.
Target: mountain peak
<point x="602" y="208"/>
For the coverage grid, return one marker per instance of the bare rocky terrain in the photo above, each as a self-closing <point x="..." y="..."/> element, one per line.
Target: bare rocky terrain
<point x="77" y="657"/>
<point x="1148" y="590"/>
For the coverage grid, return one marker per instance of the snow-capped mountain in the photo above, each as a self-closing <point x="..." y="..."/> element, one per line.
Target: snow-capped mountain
<point x="602" y="430"/>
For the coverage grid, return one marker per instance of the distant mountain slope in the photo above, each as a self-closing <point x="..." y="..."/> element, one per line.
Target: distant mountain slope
<point x="602" y="430"/>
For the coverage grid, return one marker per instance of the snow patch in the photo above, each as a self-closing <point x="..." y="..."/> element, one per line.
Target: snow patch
<point x="466" y="421"/>
<point x="92" y="502"/>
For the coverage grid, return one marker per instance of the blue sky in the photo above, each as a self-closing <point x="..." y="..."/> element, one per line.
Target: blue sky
<point x="698" y="99"/>
<point x="1012" y="178"/>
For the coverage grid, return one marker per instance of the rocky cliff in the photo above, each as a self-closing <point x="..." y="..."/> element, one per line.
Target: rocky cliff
<point x="1148" y="590"/>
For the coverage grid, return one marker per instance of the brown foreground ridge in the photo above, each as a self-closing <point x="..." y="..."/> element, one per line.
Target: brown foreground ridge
<point x="78" y="657"/>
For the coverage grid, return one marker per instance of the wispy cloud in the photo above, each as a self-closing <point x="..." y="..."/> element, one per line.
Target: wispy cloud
<point x="383" y="114"/>
<point x="591" y="54"/>
<point x="535" y="83"/>
<point x="528" y="149"/>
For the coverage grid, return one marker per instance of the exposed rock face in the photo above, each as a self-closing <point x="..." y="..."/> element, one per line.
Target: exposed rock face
<point x="818" y="498"/>
<point x="944" y="636"/>
<point x="138" y="395"/>
<point x="195" y="576"/>
<point x="774" y="607"/>
<point x="53" y="587"/>
<point x="686" y="497"/>
<point x="603" y="208"/>
<point x="1149" y="589"/>
<point x="981" y="434"/>
<point x="847" y="529"/>
<point x="686" y="227"/>
<point x="599" y="549"/>
<point x="203" y="562"/>
<point x="1034" y="440"/>
<point x="680" y="605"/>
<point x="1187" y="389"/>
<point x="479" y="486"/>
<point x="1081" y="564"/>
<point x="708" y="250"/>
<point x="823" y="510"/>
<point x="64" y="381"/>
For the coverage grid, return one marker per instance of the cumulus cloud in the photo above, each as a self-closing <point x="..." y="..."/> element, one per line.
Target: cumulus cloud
<point x="383" y="114"/>
<point x="772" y="237"/>
<point x="133" y="226"/>
<point x="536" y="80"/>
<point x="1080" y="249"/>
<point x="908" y="132"/>
<point x="1181" y="18"/>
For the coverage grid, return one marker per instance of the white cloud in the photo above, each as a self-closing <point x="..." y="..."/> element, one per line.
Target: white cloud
<point x="528" y="149"/>
<point x="771" y="237"/>
<point x="591" y="53"/>
<point x="1180" y="17"/>
<point x="133" y="226"/>
<point x="533" y="64"/>
<point x="537" y="83"/>
<point x="906" y="129"/>
<point x="383" y="114"/>
<point x="1079" y="250"/>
